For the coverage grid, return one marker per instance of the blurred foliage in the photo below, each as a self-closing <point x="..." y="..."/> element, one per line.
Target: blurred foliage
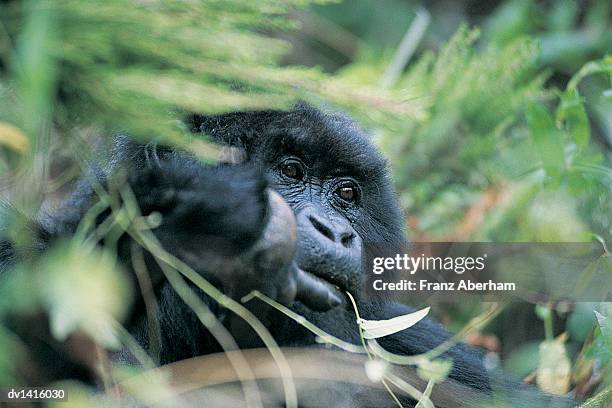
<point x="507" y="146"/>
<point x="500" y="134"/>
<point x="491" y="153"/>
<point x="515" y="144"/>
<point x="117" y="66"/>
<point x="130" y="66"/>
<point x="570" y="32"/>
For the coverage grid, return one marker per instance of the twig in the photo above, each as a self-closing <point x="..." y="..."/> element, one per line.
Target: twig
<point x="150" y="302"/>
<point x="323" y="336"/>
<point x="363" y="341"/>
<point x="407" y="47"/>
<point x="475" y="323"/>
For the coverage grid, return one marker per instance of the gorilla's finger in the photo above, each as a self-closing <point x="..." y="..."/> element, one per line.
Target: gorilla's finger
<point x="315" y="293"/>
<point x="288" y="292"/>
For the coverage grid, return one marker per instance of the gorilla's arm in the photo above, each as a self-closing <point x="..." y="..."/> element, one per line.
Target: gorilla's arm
<point x="222" y="221"/>
<point x="226" y="224"/>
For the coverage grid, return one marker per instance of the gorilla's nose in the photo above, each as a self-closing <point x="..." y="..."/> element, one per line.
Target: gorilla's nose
<point x="339" y="232"/>
<point x="328" y="247"/>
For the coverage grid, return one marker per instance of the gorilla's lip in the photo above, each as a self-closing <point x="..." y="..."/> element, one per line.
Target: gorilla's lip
<point x="336" y="284"/>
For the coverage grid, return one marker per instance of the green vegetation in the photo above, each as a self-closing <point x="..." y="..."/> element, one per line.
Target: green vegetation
<point x="496" y="133"/>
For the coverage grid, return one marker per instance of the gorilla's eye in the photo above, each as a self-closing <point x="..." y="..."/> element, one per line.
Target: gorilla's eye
<point x="348" y="191"/>
<point x="292" y="168"/>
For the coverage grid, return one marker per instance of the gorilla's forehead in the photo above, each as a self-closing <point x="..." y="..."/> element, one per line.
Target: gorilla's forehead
<point x="329" y="143"/>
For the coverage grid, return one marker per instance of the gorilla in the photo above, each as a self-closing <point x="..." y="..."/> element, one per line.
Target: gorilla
<point x="286" y="212"/>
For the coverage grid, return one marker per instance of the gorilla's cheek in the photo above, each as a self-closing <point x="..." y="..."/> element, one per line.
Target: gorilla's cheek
<point x="329" y="248"/>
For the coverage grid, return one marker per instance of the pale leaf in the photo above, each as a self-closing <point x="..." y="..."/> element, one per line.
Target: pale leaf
<point x="13" y="138"/>
<point x="374" y="329"/>
<point x="554" y="369"/>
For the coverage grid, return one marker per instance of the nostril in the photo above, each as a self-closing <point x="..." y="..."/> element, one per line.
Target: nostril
<point x="347" y="239"/>
<point x="322" y="228"/>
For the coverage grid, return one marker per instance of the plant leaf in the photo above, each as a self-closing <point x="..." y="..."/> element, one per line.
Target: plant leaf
<point x="13" y="138"/>
<point x="604" y="326"/>
<point x="554" y="369"/>
<point x="374" y="329"/>
<point x="571" y="112"/>
<point x="84" y="290"/>
<point x="547" y="139"/>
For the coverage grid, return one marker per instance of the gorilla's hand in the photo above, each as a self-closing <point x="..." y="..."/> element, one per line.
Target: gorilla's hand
<point x="275" y="251"/>
<point x="226" y="224"/>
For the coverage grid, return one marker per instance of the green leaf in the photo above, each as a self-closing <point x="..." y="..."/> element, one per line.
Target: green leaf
<point x="571" y="112"/>
<point x="581" y="320"/>
<point x="35" y="68"/>
<point x="373" y="329"/>
<point x="547" y="139"/>
<point x="594" y="67"/>
<point x="605" y="327"/>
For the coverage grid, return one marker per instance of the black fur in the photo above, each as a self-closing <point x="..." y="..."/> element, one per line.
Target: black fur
<point x="224" y="208"/>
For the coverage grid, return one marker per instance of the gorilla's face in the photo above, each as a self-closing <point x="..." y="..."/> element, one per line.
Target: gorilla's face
<point x="335" y="181"/>
<point x="330" y="174"/>
<point x="326" y="208"/>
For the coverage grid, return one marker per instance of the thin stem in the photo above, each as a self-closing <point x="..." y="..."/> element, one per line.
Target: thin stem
<point x="323" y="336"/>
<point x="239" y="310"/>
<point x="548" y="324"/>
<point x="169" y="263"/>
<point x="411" y="390"/>
<point x="134" y="347"/>
<point x="219" y="332"/>
<point x="150" y="302"/>
<point x="407" y="47"/>
<point x="426" y="394"/>
<point x="124" y="217"/>
<point x="363" y="342"/>
<point x="476" y="322"/>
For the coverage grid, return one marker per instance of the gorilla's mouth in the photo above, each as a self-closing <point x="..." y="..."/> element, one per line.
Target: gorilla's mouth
<point x="336" y="284"/>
